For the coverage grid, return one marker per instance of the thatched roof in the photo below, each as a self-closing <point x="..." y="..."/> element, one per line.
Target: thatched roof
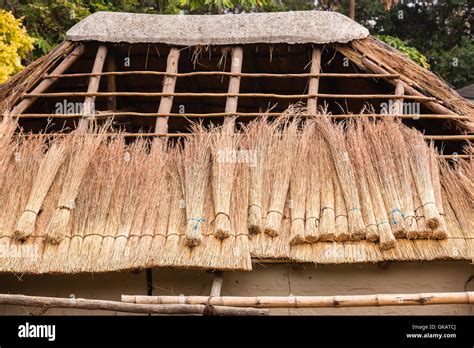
<point x="281" y="27"/>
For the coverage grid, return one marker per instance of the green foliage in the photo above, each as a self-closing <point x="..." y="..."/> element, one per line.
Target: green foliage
<point x="14" y="45"/>
<point x="410" y="52"/>
<point x="456" y="64"/>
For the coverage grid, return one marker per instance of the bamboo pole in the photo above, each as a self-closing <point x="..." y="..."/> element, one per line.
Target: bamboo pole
<point x="104" y="305"/>
<point x="312" y="301"/>
<point x="169" y="83"/>
<point x="234" y="85"/>
<point x="93" y="86"/>
<point x="45" y="84"/>
<point x="223" y="73"/>
<point x="111" y="83"/>
<point x="256" y="95"/>
<point x="312" y="103"/>
<point x="246" y="114"/>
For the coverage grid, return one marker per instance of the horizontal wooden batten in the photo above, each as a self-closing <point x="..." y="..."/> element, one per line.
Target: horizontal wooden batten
<point x="245" y="114"/>
<point x="312" y="301"/>
<point x="240" y="95"/>
<point x="177" y="135"/>
<point x="225" y="73"/>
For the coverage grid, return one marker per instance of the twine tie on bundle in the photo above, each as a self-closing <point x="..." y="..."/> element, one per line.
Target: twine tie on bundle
<point x="198" y="221"/>
<point x="392" y="213"/>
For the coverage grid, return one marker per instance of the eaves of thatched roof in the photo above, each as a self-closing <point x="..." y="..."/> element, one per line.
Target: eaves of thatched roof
<point x="281" y="27"/>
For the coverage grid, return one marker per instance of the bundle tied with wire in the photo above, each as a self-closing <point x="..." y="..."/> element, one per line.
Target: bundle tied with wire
<point x="257" y="136"/>
<point x="224" y="153"/>
<point x="47" y="172"/>
<point x="280" y="162"/>
<point x="419" y="155"/>
<point x="335" y="138"/>
<point x="194" y="172"/>
<point x="84" y="143"/>
<point x="299" y="185"/>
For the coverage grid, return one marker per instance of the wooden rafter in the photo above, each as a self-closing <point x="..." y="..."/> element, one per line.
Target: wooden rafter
<point x="94" y="82"/>
<point x="313" y="87"/>
<point x="169" y="83"/>
<point x="234" y="84"/>
<point x="397" y="107"/>
<point x="44" y="85"/>
<point x="111" y="82"/>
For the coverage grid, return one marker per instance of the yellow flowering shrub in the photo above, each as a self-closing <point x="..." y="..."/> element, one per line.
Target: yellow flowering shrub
<point x="14" y="45"/>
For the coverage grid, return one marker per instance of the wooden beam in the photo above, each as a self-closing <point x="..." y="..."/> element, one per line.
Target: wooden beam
<point x="80" y="303"/>
<point x="313" y="87"/>
<point x="431" y="104"/>
<point x="46" y="84"/>
<point x="111" y="82"/>
<point x="217" y="283"/>
<point x="247" y="114"/>
<point x="420" y="299"/>
<point x="242" y="95"/>
<point x="237" y="54"/>
<point x="88" y="109"/>
<point x="225" y="73"/>
<point x="169" y="83"/>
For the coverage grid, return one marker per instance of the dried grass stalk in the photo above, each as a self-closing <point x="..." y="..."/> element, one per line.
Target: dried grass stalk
<point x="356" y="149"/>
<point x="384" y="228"/>
<point x="313" y="198"/>
<point x="334" y="135"/>
<point x="257" y="136"/>
<point x="194" y="171"/>
<point x="298" y="186"/>
<point x="83" y="148"/>
<point x="48" y="169"/>
<point x="280" y="154"/>
<point x="420" y="167"/>
<point x="224" y="147"/>
<point x="386" y="172"/>
<point x="441" y="231"/>
<point x="327" y="225"/>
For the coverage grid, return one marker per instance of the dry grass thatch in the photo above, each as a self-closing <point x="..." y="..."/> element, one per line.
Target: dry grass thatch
<point x="136" y="205"/>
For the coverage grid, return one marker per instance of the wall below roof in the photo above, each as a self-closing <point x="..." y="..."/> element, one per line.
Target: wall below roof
<point x="407" y="277"/>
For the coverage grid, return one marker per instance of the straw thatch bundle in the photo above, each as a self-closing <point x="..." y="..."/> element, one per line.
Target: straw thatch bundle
<point x="49" y="166"/>
<point x="299" y="185"/>
<point x="224" y="145"/>
<point x="279" y="161"/>
<point x="335" y="137"/>
<point x="327" y="224"/>
<point x="386" y="235"/>
<point x="83" y="148"/>
<point x="419" y="163"/>
<point x="313" y="198"/>
<point x="441" y="231"/>
<point x="257" y="135"/>
<point x="356" y="149"/>
<point x="386" y="172"/>
<point x="395" y="149"/>
<point x="194" y="170"/>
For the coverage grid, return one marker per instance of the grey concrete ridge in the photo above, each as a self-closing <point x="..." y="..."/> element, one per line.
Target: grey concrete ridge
<point x="280" y="27"/>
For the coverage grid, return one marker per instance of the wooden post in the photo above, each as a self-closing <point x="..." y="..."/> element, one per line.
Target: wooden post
<point x="217" y="283"/>
<point x="312" y="103"/>
<point x="56" y="302"/>
<point x="352" y="9"/>
<point x="169" y="83"/>
<point x="234" y="85"/>
<point x="397" y="106"/>
<point x="46" y="83"/>
<point x="89" y="108"/>
<point x="111" y="82"/>
<point x="312" y="301"/>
